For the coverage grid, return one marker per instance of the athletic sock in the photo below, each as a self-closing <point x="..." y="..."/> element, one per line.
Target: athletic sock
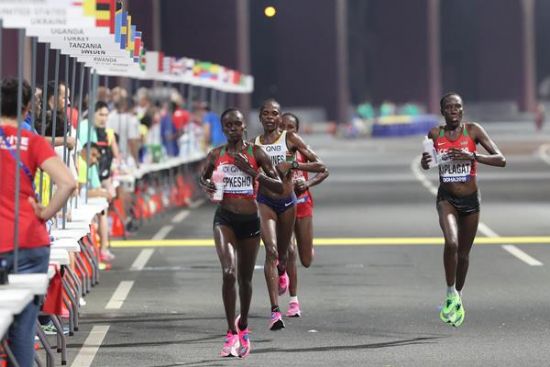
<point x="451" y="290"/>
<point x="275" y="308"/>
<point x="293" y="299"/>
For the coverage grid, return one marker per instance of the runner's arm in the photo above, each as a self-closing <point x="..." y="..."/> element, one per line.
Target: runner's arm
<point x="314" y="163"/>
<point x="425" y="160"/>
<point x="206" y="174"/>
<point x="64" y="182"/>
<point x="495" y="156"/>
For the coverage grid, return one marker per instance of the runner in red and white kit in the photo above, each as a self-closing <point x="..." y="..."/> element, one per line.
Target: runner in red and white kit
<point x="236" y="222"/>
<point x="458" y="195"/>
<point x="278" y="210"/>
<point x="302" y="241"/>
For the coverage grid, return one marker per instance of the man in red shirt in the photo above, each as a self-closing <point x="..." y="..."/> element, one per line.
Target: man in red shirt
<point x="33" y="238"/>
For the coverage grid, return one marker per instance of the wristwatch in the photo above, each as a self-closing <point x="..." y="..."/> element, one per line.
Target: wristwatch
<point x="295" y="164"/>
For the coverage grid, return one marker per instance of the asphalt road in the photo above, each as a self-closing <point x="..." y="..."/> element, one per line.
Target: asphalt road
<point x="370" y="304"/>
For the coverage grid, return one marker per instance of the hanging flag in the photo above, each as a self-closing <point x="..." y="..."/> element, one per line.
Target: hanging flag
<point x="103" y="13"/>
<point x="189" y="65"/>
<point x="177" y="67"/>
<point x="129" y="43"/>
<point x="137" y="46"/>
<point x="160" y="62"/>
<point x="118" y="25"/>
<point x="89" y="7"/>
<point x="143" y="59"/>
<point x="112" y="11"/>
<point x="152" y="63"/>
<point x="124" y="30"/>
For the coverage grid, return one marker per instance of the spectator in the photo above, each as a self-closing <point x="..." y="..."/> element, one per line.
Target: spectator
<point x="168" y="132"/>
<point x="125" y="125"/>
<point x="33" y="238"/>
<point x="213" y="132"/>
<point x="99" y="176"/>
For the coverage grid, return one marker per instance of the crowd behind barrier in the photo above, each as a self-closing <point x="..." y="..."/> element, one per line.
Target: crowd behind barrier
<point x="150" y="170"/>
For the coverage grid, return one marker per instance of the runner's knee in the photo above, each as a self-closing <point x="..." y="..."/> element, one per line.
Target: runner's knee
<point x="229" y="275"/>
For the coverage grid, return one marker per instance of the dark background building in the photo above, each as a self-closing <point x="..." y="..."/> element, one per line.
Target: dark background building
<point x="332" y="54"/>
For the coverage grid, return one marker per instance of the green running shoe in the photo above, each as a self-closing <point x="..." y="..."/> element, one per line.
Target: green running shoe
<point x="448" y="309"/>
<point x="459" y="315"/>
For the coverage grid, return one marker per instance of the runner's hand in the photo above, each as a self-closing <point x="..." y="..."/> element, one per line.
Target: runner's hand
<point x="38" y="208"/>
<point x="71" y="142"/>
<point x="284" y="167"/>
<point x="242" y="163"/>
<point x="208" y="186"/>
<point x="425" y="161"/>
<point x="300" y="187"/>
<point x="460" y="155"/>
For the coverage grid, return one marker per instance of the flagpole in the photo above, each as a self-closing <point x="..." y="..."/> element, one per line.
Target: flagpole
<point x="55" y="103"/>
<point x="44" y="102"/>
<point x="80" y="93"/>
<point x="33" y="80"/>
<point x="20" y="56"/>
<point x="65" y="120"/>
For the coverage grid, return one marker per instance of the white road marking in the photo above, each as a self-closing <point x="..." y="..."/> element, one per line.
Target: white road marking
<point x="120" y="295"/>
<point x="196" y="204"/>
<point x="482" y="227"/>
<point x="178" y="218"/>
<point x="141" y="260"/>
<point x="544" y="153"/>
<point x="523" y="256"/>
<point x="163" y="232"/>
<point x="88" y="351"/>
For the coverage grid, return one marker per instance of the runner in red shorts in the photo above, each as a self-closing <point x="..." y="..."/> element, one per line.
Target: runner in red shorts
<point x="303" y="227"/>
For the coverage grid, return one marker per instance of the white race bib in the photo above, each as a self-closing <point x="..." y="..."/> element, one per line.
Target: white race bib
<point x="236" y="181"/>
<point x="454" y="171"/>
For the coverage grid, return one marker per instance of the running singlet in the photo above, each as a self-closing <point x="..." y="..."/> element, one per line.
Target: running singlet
<point x="276" y="151"/>
<point x="455" y="170"/>
<point x="237" y="184"/>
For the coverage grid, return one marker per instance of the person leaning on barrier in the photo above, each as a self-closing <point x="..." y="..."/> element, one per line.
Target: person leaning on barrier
<point x="33" y="238"/>
<point x="61" y="119"/>
<point x="89" y="180"/>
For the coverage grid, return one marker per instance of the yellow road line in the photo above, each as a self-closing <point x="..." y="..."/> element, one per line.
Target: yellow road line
<point x="359" y="241"/>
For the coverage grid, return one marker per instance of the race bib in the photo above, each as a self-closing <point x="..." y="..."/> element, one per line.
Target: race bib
<point x="454" y="171"/>
<point x="236" y="181"/>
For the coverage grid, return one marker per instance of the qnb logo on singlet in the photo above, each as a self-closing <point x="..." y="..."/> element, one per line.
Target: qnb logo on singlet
<point x="273" y="148"/>
<point x="236" y="181"/>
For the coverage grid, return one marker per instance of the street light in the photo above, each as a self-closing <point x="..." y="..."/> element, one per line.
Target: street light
<point x="270" y="11"/>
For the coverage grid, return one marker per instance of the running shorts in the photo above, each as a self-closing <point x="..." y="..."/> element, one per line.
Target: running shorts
<point x="464" y="205"/>
<point x="243" y="225"/>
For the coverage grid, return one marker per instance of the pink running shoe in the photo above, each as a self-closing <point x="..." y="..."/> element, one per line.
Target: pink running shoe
<point x="230" y="345"/>
<point x="283" y="283"/>
<point x="294" y="310"/>
<point x="276" y="322"/>
<point x="244" y="340"/>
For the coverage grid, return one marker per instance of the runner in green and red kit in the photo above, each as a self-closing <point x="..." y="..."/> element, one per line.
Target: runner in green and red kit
<point x="302" y="241"/>
<point x="458" y="196"/>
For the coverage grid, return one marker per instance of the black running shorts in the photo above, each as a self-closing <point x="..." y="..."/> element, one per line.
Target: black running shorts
<point x="243" y="225"/>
